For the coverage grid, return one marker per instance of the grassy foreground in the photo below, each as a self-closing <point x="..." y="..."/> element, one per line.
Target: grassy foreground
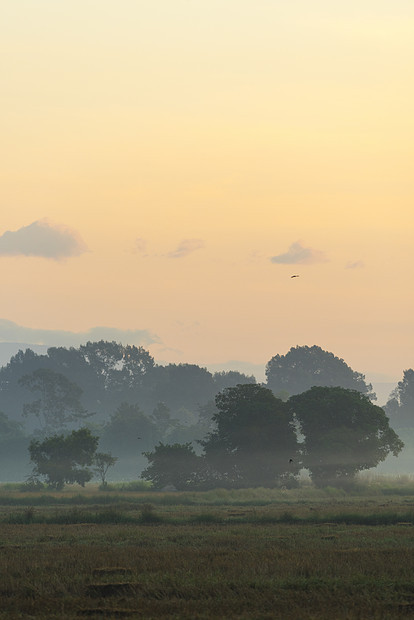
<point x="254" y="554"/>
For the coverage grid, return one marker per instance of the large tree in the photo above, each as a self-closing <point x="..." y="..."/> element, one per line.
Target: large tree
<point x="129" y="429"/>
<point x="254" y="443"/>
<point x="344" y="433"/>
<point x="61" y="459"/>
<point x="58" y="403"/>
<point x="118" y="367"/>
<point x="173" y="464"/>
<point x="304" y="367"/>
<point x="182" y="386"/>
<point x="400" y="406"/>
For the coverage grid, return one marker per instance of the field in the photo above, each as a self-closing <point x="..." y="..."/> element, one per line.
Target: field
<point x="247" y="554"/>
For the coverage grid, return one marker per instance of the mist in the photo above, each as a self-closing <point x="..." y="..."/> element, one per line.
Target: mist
<point x="132" y="403"/>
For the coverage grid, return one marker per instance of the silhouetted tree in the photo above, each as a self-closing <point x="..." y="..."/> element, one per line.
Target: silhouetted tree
<point x="182" y="386"/>
<point x="102" y="462"/>
<point x="173" y="464"/>
<point x="304" y="367"/>
<point x="58" y="402"/>
<point x="128" y="430"/>
<point x="400" y="406"/>
<point x="61" y="459"/>
<point x="343" y="433"/>
<point x="118" y="367"/>
<point x="255" y="442"/>
<point x="163" y="422"/>
<point x="230" y="378"/>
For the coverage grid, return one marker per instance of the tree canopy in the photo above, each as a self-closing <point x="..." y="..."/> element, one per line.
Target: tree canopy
<point x="129" y="430"/>
<point x="58" y="401"/>
<point x="108" y="374"/>
<point x="400" y="406"/>
<point x="174" y="465"/>
<point x="343" y="433"/>
<point x="304" y="367"/>
<point x="254" y="443"/>
<point x="61" y="459"/>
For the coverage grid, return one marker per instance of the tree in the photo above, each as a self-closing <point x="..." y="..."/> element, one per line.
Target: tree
<point x="118" y="367"/>
<point x="9" y="429"/>
<point x="59" y="399"/>
<point x="12" y="396"/>
<point x="182" y="386"/>
<point x="127" y="429"/>
<point x="303" y="367"/>
<point x="61" y="459"/>
<point x="344" y="433"/>
<point x="255" y="442"/>
<point x="173" y="464"/>
<point x="164" y="423"/>
<point x="102" y="462"/>
<point x="230" y="378"/>
<point x="13" y="448"/>
<point x="400" y="406"/>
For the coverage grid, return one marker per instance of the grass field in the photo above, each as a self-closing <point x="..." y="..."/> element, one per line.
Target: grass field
<point x="248" y="554"/>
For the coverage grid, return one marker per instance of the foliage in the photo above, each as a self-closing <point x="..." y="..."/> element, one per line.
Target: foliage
<point x="164" y="423"/>
<point x="59" y="399"/>
<point x="102" y="461"/>
<point x="128" y="430"/>
<point x="182" y="385"/>
<point x="304" y="367"/>
<point x="119" y="367"/>
<point x="400" y="406"/>
<point x="61" y="459"/>
<point x="255" y="441"/>
<point x="13" y="449"/>
<point x="173" y="464"/>
<point x="344" y="433"/>
<point x="109" y="373"/>
<point x="9" y="429"/>
<point x="230" y="378"/>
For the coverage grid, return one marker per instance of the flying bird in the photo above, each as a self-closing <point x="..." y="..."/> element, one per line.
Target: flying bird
<point x="295" y="276"/>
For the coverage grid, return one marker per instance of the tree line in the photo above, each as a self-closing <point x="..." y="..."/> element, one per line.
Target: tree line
<point x="255" y="442"/>
<point x="133" y="404"/>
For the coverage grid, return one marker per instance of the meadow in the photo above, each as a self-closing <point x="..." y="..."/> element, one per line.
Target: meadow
<point x="245" y="554"/>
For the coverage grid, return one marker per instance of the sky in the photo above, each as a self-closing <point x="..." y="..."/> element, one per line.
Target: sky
<point x="166" y="166"/>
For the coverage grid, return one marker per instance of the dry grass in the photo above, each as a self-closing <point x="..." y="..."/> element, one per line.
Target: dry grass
<point x="200" y="562"/>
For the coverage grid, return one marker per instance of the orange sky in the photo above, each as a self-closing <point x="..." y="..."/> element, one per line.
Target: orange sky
<point x="178" y="145"/>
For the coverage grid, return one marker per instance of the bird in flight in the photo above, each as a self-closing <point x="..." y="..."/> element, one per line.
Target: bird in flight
<point x="295" y="276"/>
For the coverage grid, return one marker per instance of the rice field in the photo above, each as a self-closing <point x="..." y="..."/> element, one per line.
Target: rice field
<point x="251" y="554"/>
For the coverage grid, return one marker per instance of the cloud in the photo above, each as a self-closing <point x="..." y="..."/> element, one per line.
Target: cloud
<point x="140" y="246"/>
<point x="297" y="254"/>
<point x="12" y="332"/>
<point x="42" y="238"/>
<point x="185" y="247"/>
<point x="359" y="264"/>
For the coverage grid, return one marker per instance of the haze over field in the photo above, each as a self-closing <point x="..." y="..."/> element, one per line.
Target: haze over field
<point x="168" y="166"/>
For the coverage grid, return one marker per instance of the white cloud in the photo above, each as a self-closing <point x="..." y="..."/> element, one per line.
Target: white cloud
<point x="12" y="332"/>
<point x="297" y="254"/>
<point x="185" y="247"/>
<point x="43" y="239"/>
